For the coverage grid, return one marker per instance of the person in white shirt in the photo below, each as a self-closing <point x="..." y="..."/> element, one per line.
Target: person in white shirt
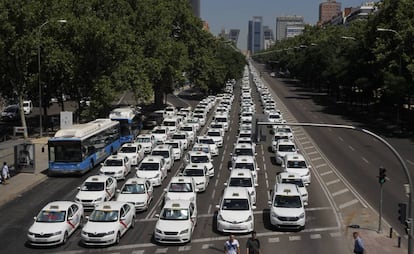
<point x="232" y="246"/>
<point x="5" y="173"/>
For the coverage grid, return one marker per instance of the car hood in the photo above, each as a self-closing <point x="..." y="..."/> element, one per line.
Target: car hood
<point x="199" y="179"/>
<point x="47" y="227"/>
<point x="181" y="195"/>
<point x="129" y="155"/>
<point x="92" y="195"/>
<point x="235" y="216"/>
<point x="132" y="197"/>
<point x="287" y="212"/>
<point x="147" y="174"/>
<point x="111" y="168"/>
<point x="173" y="225"/>
<point x="300" y="171"/>
<point x="100" y="227"/>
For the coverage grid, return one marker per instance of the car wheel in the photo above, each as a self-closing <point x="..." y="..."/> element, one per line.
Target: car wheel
<point x="118" y="238"/>
<point x="65" y="237"/>
<point x="133" y="222"/>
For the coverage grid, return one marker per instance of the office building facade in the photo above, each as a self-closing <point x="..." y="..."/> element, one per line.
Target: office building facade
<point x="255" y="38"/>
<point x="288" y="26"/>
<point x="195" y="4"/>
<point x="328" y="10"/>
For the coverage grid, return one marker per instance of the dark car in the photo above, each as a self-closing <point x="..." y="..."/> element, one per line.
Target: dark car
<point x="10" y="113"/>
<point x="153" y="119"/>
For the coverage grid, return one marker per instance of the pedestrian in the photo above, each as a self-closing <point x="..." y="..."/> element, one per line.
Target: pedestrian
<point x="232" y="246"/>
<point x="5" y="173"/>
<point x="358" y="243"/>
<point x="253" y="244"/>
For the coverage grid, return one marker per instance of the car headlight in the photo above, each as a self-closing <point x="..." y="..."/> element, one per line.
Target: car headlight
<point x="249" y="218"/>
<point x="201" y="183"/>
<point x="274" y="214"/>
<point x="77" y="200"/>
<point x="110" y="232"/>
<point x="157" y="175"/>
<point x="167" y="198"/>
<point x="184" y="231"/>
<point x="252" y="193"/>
<point x="57" y="233"/>
<point x="192" y="198"/>
<point x="158" y="231"/>
<point x="219" y="217"/>
<point x="30" y="233"/>
<point x="302" y="215"/>
<point x="84" y="233"/>
<point x="98" y="199"/>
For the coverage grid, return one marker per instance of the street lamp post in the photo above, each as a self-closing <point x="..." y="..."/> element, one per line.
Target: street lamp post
<point x="39" y="33"/>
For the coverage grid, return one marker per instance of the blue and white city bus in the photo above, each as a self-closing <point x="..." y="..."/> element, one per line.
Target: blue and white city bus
<point x="79" y="148"/>
<point x="129" y="120"/>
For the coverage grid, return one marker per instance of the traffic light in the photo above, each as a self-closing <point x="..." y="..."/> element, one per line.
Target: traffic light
<point x="402" y="213"/>
<point x="382" y="176"/>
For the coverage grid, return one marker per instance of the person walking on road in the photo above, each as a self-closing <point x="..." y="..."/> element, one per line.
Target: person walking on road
<point x="5" y="174"/>
<point x="253" y="244"/>
<point x="232" y="246"/>
<point x="358" y="244"/>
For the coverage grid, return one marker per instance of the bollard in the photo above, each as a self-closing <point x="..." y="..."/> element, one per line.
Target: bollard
<point x="390" y="232"/>
<point x="399" y="242"/>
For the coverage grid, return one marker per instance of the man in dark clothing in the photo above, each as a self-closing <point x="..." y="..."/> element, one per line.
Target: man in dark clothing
<point x="358" y="244"/>
<point x="253" y="244"/>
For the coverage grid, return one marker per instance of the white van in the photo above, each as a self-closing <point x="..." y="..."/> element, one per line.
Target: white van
<point x="27" y="107"/>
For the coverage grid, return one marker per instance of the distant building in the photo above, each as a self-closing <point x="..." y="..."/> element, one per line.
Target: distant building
<point x="195" y="4"/>
<point x="268" y="37"/>
<point x="359" y="13"/>
<point x="328" y="10"/>
<point x="288" y="26"/>
<point x="223" y="34"/>
<point x="234" y="35"/>
<point x="255" y="37"/>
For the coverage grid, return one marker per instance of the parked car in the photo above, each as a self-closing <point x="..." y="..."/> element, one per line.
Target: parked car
<point x="10" y="113"/>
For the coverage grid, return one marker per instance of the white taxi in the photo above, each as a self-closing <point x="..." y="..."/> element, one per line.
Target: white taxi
<point x="138" y="192"/>
<point x="286" y="207"/>
<point x="285" y="147"/>
<point x="200" y="175"/>
<point x="243" y="178"/>
<point x="209" y="141"/>
<point x="161" y="134"/>
<point x="176" y="222"/>
<point x="108" y="223"/>
<point x="246" y="162"/>
<point x="235" y="211"/>
<point x="152" y="168"/>
<point x="95" y="190"/>
<point x="216" y="135"/>
<point x="177" y="148"/>
<point x="166" y="152"/>
<point x="55" y="223"/>
<point x="296" y="163"/>
<point x="181" y="187"/>
<point x="294" y="178"/>
<point x="183" y="137"/>
<point x="117" y="166"/>
<point x="147" y="142"/>
<point x="133" y="151"/>
<point x="201" y="158"/>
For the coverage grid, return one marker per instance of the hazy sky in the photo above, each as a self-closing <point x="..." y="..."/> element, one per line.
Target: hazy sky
<point x="237" y="13"/>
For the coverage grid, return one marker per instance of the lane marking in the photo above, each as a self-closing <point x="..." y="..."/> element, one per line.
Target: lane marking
<point x="340" y="138"/>
<point x="316" y="158"/>
<point x="209" y="208"/>
<point x="184" y="248"/>
<point x="349" y="203"/>
<point x="315" y="236"/>
<point x="163" y="250"/>
<point x="308" y="147"/>
<point x="294" y="238"/>
<point x="333" y="182"/>
<point x="320" y="165"/>
<point x="306" y="142"/>
<point x="335" y="234"/>
<point x="207" y="246"/>
<point x="365" y="160"/>
<point x="412" y="163"/>
<point x="340" y="192"/>
<point x="352" y="149"/>
<point x="312" y="153"/>
<point x="273" y="240"/>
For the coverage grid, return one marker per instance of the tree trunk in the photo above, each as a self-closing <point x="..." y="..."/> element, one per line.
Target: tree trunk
<point x="159" y="96"/>
<point x="22" y="117"/>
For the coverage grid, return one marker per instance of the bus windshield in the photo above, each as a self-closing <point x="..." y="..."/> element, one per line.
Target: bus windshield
<point x="65" y="151"/>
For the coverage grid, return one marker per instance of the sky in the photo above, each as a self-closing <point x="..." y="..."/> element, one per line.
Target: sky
<point x="229" y="14"/>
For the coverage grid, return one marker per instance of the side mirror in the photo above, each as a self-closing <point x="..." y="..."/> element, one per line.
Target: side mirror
<point x="35" y="218"/>
<point x="102" y="164"/>
<point x="165" y="190"/>
<point x="253" y="207"/>
<point x="70" y="218"/>
<point x="123" y="218"/>
<point x="256" y="185"/>
<point x="255" y="154"/>
<point x="257" y="169"/>
<point x="218" y="206"/>
<point x="180" y="174"/>
<point x="225" y="184"/>
<point x="79" y="187"/>
<point x="87" y="217"/>
<point x="230" y="168"/>
<point x="118" y="190"/>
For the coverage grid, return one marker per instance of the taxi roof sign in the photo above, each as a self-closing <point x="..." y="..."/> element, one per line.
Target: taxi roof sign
<point x="106" y="207"/>
<point x="175" y="205"/>
<point x="54" y="207"/>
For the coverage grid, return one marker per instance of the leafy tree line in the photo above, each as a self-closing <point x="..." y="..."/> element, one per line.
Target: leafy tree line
<point x="106" y="47"/>
<point x="368" y="63"/>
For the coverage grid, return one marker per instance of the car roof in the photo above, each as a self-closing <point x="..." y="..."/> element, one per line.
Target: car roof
<point x="285" y="142"/>
<point x="240" y="172"/>
<point x="243" y="145"/>
<point x="130" y="145"/>
<point x="110" y="205"/>
<point x="97" y="178"/>
<point x="292" y="157"/>
<point x="58" y="205"/>
<point x="286" y="189"/>
<point x="116" y="157"/>
<point x="162" y="147"/>
<point x="152" y="158"/>
<point x="135" y="180"/>
<point x="235" y="193"/>
<point x="244" y="158"/>
<point x="177" y="203"/>
<point x="181" y="179"/>
<point x="192" y="153"/>
<point x="289" y="175"/>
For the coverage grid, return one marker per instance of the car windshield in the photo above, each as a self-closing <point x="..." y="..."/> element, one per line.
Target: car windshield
<point x="286" y="148"/>
<point x="285" y="130"/>
<point x="103" y="216"/>
<point x="51" y="216"/>
<point x="287" y="201"/>
<point x="149" y="166"/>
<point x="180" y="187"/>
<point x="172" y="144"/>
<point x="296" y="164"/>
<point x="279" y="137"/>
<point x="174" y="214"/>
<point x="298" y="182"/>
<point x="93" y="186"/>
<point x="143" y="140"/>
<point x="274" y="116"/>
<point x="113" y="163"/>
<point x="187" y="128"/>
<point x="128" y="149"/>
<point x="244" y="165"/>
<point x="181" y="136"/>
<point x="193" y="172"/>
<point x="168" y="123"/>
<point x="133" y="189"/>
<point x="10" y="109"/>
<point x="244" y="151"/>
<point x="199" y="159"/>
<point x="244" y="135"/>
<point x="221" y="119"/>
<point x="213" y="134"/>
<point x="235" y="204"/>
<point x="164" y="154"/>
<point x="240" y="182"/>
<point x="201" y="149"/>
<point x="207" y="141"/>
<point x="159" y="131"/>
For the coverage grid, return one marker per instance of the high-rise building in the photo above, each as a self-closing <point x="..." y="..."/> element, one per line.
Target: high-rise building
<point x="234" y="35"/>
<point x="268" y="37"/>
<point x="328" y="10"/>
<point x="288" y="26"/>
<point x="195" y="4"/>
<point x="255" y="35"/>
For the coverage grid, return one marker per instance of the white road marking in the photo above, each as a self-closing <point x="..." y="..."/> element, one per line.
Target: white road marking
<point x="340" y="192"/>
<point x="308" y="147"/>
<point x="306" y="142"/>
<point x="137" y="252"/>
<point x="163" y="250"/>
<point x="315" y="236"/>
<point x="273" y="240"/>
<point x="365" y="160"/>
<point x="321" y="165"/>
<point x="352" y="149"/>
<point x="412" y="163"/>
<point x="318" y="208"/>
<point x="206" y="246"/>
<point x="316" y="158"/>
<point x="314" y="152"/>
<point x="184" y="248"/>
<point x="349" y="203"/>
<point x="333" y="182"/>
<point x="294" y="238"/>
<point x="335" y="234"/>
<point x="341" y="139"/>
<point x="209" y="208"/>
